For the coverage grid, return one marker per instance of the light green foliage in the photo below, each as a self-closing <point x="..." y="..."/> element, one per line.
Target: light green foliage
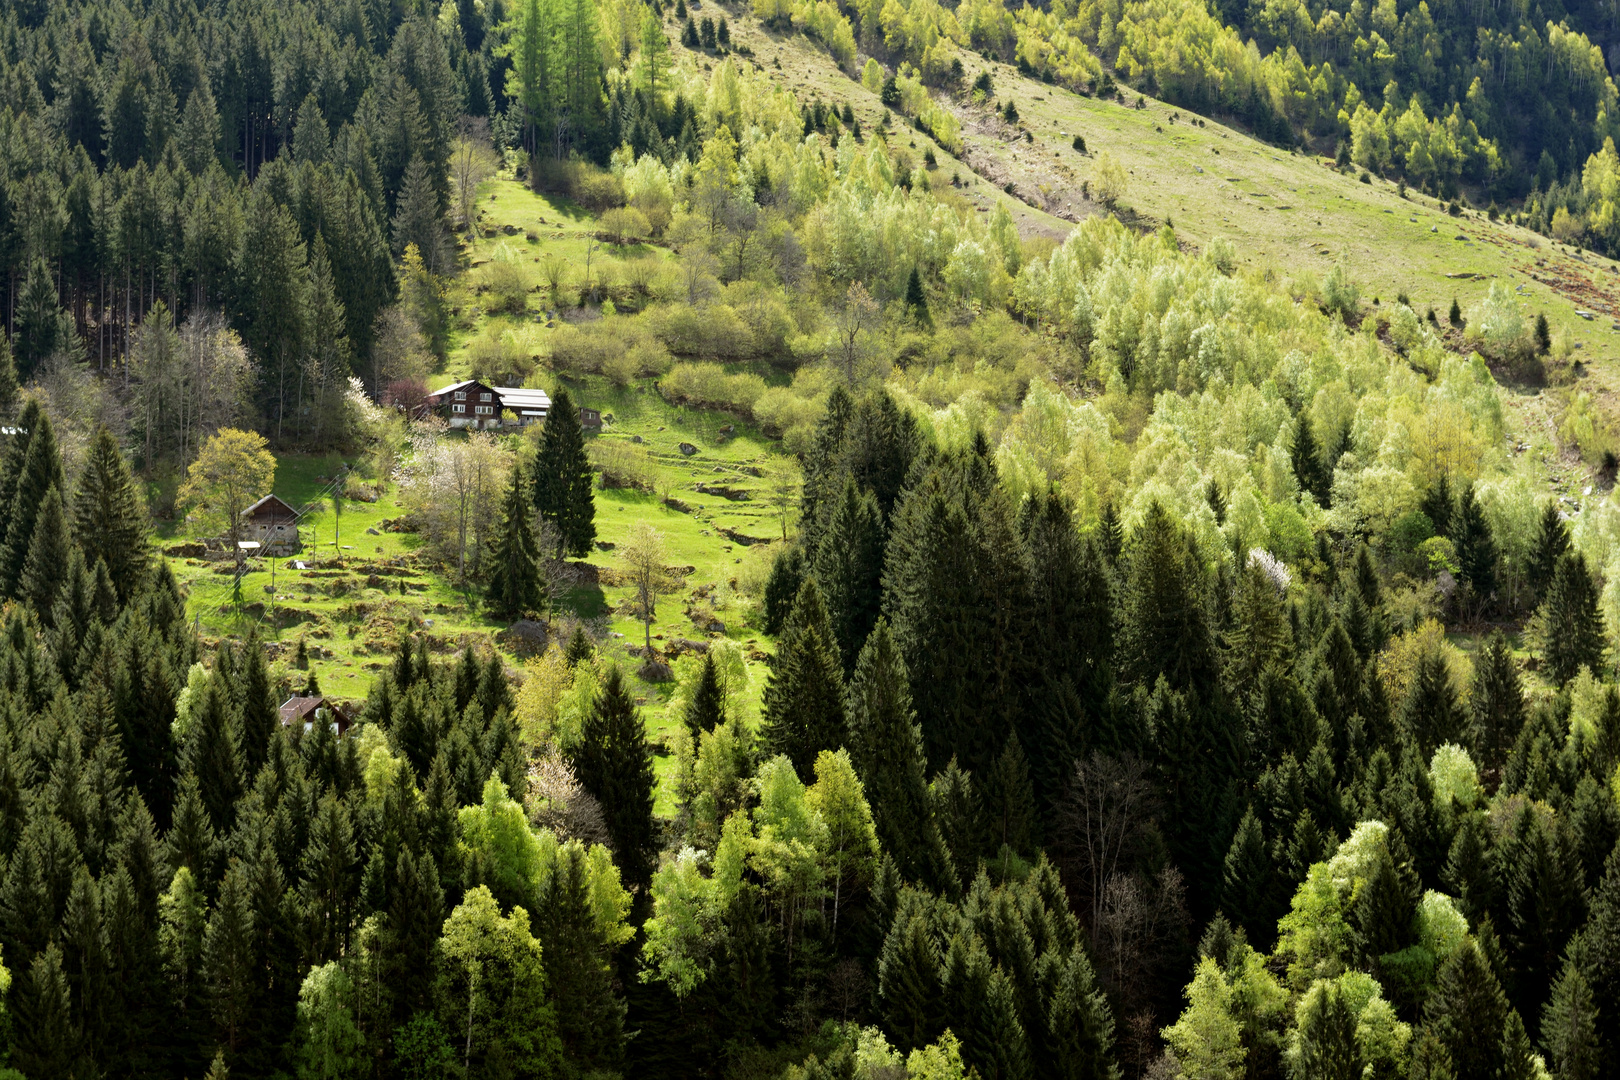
<point x="1315" y="935"/>
<point x="1207" y="1038"/>
<point x="873" y="1052"/>
<point x="491" y="990"/>
<point x="1441" y="927"/>
<point x="687" y="906"/>
<point x="1497" y="324"/>
<point x="1588" y="701"/>
<point x="379" y="767"/>
<point x="197" y="677"/>
<point x="1454" y="777"/>
<point x="939" y="1060"/>
<point x="330" y="1045"/>
<point x="849" y="838"/>
<point x="1381" y="1039"/>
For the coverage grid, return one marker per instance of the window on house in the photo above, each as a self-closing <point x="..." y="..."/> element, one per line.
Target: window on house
<point x="461" y="395"/>
<point x="459" y="408"/>
<point x="483" y="397"/>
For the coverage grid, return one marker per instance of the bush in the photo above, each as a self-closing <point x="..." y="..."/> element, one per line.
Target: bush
<point x="505" y="284"/>
<point x="709" y="385"/>
<point x="713" y="332"/>
<point x="600" y="348"/>
<point x="625" y="223"/>
<point x="622" y="464"/>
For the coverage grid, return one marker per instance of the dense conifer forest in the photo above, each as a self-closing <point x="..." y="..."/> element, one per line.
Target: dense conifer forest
<point x="1163" y="669"/>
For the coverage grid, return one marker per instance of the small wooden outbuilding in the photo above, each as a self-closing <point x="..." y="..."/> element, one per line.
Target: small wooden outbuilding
<point x="273" y="523"/>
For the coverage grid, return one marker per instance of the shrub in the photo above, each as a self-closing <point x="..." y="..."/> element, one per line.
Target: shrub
<point x="625" y="223"/>
<point x="714" y="332"/>
<point x="622" y="464"/>
<point x="506" y="285"/>
<point x="709" y="385"/>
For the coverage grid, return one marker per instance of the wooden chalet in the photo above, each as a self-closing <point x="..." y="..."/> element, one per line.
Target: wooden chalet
<point x="273" y="523"/>
<point x="305" y="710"/>
<point x="472" y="404"/>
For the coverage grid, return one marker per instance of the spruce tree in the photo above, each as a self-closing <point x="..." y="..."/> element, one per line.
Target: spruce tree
<point x="916" y="300"/>
<point x="614" y="764"/>
<point x="802" y="711"/>
<point x="782" y="587"/>
<point x="1572" y="624"/>
<point x="41" y="472"/>
<point x="1165" y="628"/>
<point x="1307" y="461"/>
<point x="8" y="379"/>
<point x="848" y="567"/>
<point x="1498" y="704"/>
<point x="256" y="704"/>
<point x="1250" y="890"/>
<point x="1468" y="1012"/>
<point x="909" y="974"/>
<point x="516" y="588"/>
<point x="1009" y="800"/>
<point x="562" y="480"/>
<point x="1476" y="548"/>
<point x="47" y="557"/>
<point x="230" y="958"/>
<point x="1437" y="504"/>
<point x="886" y="748"/>
<point x="1326" y="1044"/>
<point x="11" y="465"/>
<point x="1569" y="1027"/>
<point x="211" y="753"/>
<point x="1383" y="911"/>
<point x="1431" y="714"/>
<point x="48" y="1042"/>
<point x="706" y="709"/>
<point x="1552" y="540"/>
<point x="419" y="218"/>
<point x="590" y="1018"/>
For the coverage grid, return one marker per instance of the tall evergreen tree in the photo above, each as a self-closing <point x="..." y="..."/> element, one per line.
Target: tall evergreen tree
<point x="1498" y="702"/>
<point x="1468" y="1012"/>
<point x="47" y="557"/>
<point x="1165" y="627"/>
<point x="109" y="522"/>
<point x="1552" y="541"/>
<point x="1476" y="548"/>
<point x="8" y="379"/>
<point x="1307" y="460"/>
<point x="590" y="1018"/>
<point x="40" y="473"/>
<point x="229" y="958"/>
<point x="614" y="764"/>
<point x="419" y="218"/>
<point x="1570" y="1025"/>
<point x="562" y="480"/>
<point x="802" y="712"/>
<point x="849" y="569"/>
<point x="886" y="748"/>
<point x="516" y="587"/>
<point x="1431" y="714"/>
<point x="1572" y="624"/>
<point x="706" y="709"/>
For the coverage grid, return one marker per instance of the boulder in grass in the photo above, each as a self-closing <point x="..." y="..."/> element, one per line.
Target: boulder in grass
<point x="687" y="448"/>
<point x="527" y="637"/>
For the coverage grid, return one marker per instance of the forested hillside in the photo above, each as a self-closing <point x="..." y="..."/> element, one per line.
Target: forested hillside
<point x="968" y="630"/>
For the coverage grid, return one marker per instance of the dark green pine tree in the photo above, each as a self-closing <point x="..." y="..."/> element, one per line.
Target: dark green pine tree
<point x="1327" y="1037"/>
<point x="8" y="379"/>
<point x="802" y="711"/>
<point x="419" y="218"/>
<point x="256" y="703"/>
<point x="1009" y="800"/>
<point x="516" y="587"/>
<point x="1569" y="1027"/>
<point x="562" y="480"/>
<point x="230" y="960"/>
<point x="909" y="974"/>
<point x="1470" y="872"/>
<point x="1079" y="1024"/>
<point x="11" y="465"/>
<point x="1164" y="626"/>
<point x="1552" y="540"/>
<point x="1599" y="955"/>
<point x="1468" y="1012"/>
<point x="580" y="648"/>
<point x="614" y="764"/>
<point x="961" y="818"/>
<point x="41" y="471"/>
<point x="1517" y="1055"/>
<point x="886" y="746"/>
<point x="47" y="557"/>
<point x="916" y="300"/>
<point x="415" y="920"/>
<point x="1545" y="906"/>
<point x="1572" y="624"/>
<point x="42" y="327"/>
<point x="782" y="587"/>
<point x="1307" y="460"/>
<point x="590" y="1018"/>
<point x="211" y="754"/>
<point x="109" y="521"/>
<point x="47" y="1040"/>
<point x="1251" y="890"/>
<point x="1498" y="702"/>
<point x="1438" y="505"/>
<point x="706" y="709"/>
<point x="1431" y="714"/>
<point x="190" y="840"/>
<point x="1383" y="911"/>
<point x="848" y="567"/>
<point x="1476" y="548"/>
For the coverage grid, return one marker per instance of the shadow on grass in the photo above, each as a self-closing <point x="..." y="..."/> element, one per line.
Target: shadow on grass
<point x="585" y="601"/>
